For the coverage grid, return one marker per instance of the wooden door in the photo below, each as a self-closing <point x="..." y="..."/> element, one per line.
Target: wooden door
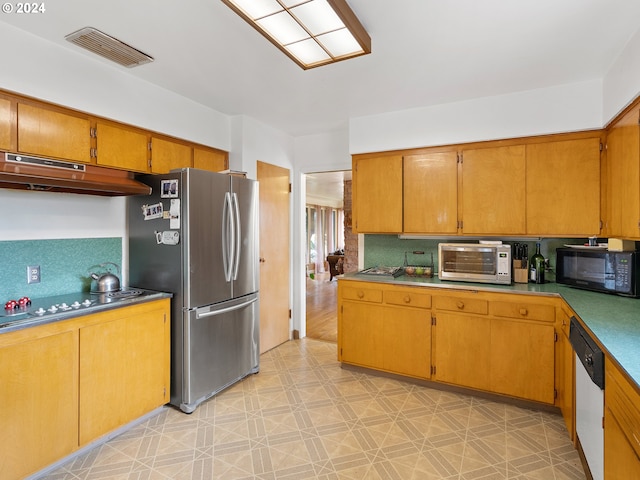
<point x="213" y="160"/>
<point x="274" y="255"/>
<point x="522" y="360"/>
<point x="563" y="187"/>
<point x="377" y="194"/>
<point x="39" y="419"/>
<point x="431" y="193"/>
<point x="122" y="147"/>
<point x="462" y="350"/>
<point x="493" y="191"/>
<point x="167" y="155"/>
<point x="623" y="158"/>
<point x="620" y="459"/>
<point x="49" y="133"/>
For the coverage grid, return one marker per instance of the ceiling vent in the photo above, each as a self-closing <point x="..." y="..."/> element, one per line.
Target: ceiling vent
<point x="108" y="47"/>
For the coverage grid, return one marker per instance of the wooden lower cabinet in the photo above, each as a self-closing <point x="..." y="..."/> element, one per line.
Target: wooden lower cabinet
<point x="123" y="369"/>
<point x="462" y="350"/>
<point x="385" y="328"/>
<point x="67" y="383"/>
<point x="621" y="426"/>
<point x="522" y="360"/>
<point x="39" y="384"/>
<point x="565" y="372"/>
<point x="498" y="343"/>
<point x="361" y="334"/>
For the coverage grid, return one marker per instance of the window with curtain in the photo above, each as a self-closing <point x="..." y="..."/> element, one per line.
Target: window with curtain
<point x="325" y="233"/>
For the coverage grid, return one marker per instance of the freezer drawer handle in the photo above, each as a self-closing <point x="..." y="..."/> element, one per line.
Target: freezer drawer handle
<point x="225" y="310"/>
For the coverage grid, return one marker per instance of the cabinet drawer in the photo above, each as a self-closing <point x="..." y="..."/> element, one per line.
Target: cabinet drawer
<point x="407" y="298"/>
<point x="623" y="401"/>
<point x="462" y="304"/>
<point x="528" y="311"/>
<point x="362" y="293"/>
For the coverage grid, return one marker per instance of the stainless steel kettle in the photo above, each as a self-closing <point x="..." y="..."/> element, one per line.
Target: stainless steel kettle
<point x="105" y="282"/>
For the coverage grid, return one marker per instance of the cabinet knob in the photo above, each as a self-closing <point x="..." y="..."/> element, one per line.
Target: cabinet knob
<point x="523" y="312"/>
<point x="407" y="299"/>
<point x="460" y="305"/>
<point x="360" y="294"/>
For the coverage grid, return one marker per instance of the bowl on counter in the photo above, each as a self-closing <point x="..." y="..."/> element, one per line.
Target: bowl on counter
<point x="425" y="271"/>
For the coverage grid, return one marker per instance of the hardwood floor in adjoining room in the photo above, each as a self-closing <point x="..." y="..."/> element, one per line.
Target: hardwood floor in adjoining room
<point x="322" y="313"/>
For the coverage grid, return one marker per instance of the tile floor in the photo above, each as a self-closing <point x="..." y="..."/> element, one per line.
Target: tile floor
<point x="304" y="417"/>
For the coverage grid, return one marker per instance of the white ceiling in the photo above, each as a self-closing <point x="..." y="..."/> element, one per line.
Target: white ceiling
<point x="424" y="52"/>
<point x="326" y="188"/>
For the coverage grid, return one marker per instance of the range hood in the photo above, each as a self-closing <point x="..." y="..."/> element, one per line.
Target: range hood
<point x="41" y="174"/>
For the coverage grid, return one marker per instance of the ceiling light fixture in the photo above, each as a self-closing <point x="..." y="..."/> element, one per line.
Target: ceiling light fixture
<point x="310" y="32"/>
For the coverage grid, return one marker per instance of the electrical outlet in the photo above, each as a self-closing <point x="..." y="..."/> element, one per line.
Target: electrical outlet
<point x="33" y="274"/>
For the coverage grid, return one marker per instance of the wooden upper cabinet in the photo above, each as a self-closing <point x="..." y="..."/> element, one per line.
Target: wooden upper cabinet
<point x="213" y="160"/>
<point x="377" y="194"/>
<point x="431" y="193"/>
<point x="51" y="133"/>
<point x="6" y="124"/>
<point x="122" y="147"/>
<point x="493" y="191"/>
<point x="623" y="186"/>
<point x="167" y="155"/>
<point x="563" y="187"/>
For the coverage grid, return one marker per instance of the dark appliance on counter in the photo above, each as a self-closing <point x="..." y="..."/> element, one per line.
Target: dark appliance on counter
<point x="598" y="269"/>
<point x="196" y="236"/>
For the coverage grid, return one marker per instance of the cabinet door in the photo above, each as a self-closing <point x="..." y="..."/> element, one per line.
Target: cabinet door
<point x="123" y="369"/>
<point x="565" y="372"/>
<point x="377" y="194"/>
<point x="563" y="187"/>
<point x="6" y="124"/>
<point x="623" y="158"/>
<point x="361" y="340"/>
<point x="213" y="160"/>
<point x="39" y="419"/>
<point x="620" y="459"/>
<point x="522" y="360"/>
<point x="121" y="147"/>
<point x="50" y="133"/>
<point x="462" y="350"/>
<point x="493" y="190"/>
<point x="407" y="341"/>
<point x="431" y="193"/>
<point x="167" y="155"/>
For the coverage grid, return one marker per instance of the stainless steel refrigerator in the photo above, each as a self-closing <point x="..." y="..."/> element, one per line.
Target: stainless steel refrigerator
<point x="196" y="236"/>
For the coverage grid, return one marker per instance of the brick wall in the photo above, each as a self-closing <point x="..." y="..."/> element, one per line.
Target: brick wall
<point x="350" y="238"/>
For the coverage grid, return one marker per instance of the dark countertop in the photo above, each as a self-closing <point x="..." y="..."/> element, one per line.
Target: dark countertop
<point x="613" y="320"/>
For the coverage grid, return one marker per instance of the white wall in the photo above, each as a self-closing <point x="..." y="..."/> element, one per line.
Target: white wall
<point x="621" y="85"/>
<point x="563" y="108"/>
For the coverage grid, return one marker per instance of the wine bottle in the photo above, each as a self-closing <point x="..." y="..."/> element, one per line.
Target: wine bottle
<point x="536" y="272"/>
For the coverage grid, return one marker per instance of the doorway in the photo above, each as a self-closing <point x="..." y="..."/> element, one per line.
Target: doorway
<point x="325" y="236"/>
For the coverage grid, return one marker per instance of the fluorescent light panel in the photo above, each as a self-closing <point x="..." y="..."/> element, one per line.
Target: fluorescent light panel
<point x="310" y="32"/>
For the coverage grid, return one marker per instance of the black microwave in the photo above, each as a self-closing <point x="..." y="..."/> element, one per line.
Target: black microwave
<point x="599" y="270"/>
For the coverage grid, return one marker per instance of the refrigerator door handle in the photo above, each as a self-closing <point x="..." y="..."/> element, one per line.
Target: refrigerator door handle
<point x="238" y="236"/>
<point x="211" y="313"/>
<point x="227" y="237"/>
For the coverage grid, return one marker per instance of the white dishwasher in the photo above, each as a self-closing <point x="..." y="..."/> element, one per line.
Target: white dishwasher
<point x="589" y="397"/>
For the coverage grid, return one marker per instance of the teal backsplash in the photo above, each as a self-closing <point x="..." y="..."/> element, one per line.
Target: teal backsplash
<point x="389" y="250"/>
<point x="64" y="265"/>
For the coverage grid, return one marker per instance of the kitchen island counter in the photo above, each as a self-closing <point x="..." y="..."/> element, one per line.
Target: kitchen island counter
<point x="613" y="320"/>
